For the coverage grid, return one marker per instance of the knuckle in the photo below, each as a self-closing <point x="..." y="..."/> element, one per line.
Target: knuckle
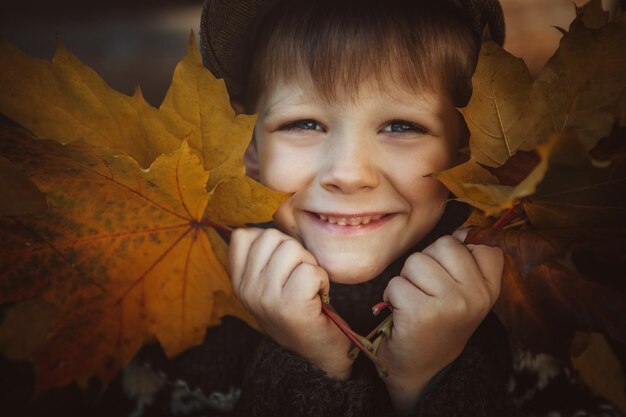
<point x="238" y="234"/>
<point x="415" y="262"/>
<point x="309" y="270"/>
<point x="395" y="286"/>
<point x="444" y="243"/>
<point x="461" y="234"/>
<point x="274" y="234"/>
<point x="395" y="283"/>
<point x="244" y="233"/>
<point x="416" y="259"/>
<point x="291" y="247"/>
<point x="494" y="253"/>
<point x="304" y="269"/>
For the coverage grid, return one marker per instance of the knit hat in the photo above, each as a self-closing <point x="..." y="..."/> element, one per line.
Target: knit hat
<point x="228" y="29"/>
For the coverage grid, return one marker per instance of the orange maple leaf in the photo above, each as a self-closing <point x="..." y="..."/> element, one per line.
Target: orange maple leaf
<point x="127" y="252"/>
<point x="124" y="253"/>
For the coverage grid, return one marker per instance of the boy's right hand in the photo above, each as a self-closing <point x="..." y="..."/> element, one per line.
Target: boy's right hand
<point x="278" y="281"/>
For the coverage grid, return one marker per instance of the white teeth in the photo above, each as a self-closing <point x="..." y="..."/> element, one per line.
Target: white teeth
<point x="353" y="221"/>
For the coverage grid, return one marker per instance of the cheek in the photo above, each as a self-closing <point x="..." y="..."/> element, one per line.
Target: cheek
<point x="285" y="219"/>
<point x="425" y="192"/>
<point x="284" y="170"/>
<point x="412" y="179"/>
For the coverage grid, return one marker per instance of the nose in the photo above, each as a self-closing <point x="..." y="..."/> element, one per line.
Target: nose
<point x="349" y="164"/>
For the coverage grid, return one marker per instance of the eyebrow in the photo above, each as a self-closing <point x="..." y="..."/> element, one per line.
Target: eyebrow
<point x="285" y="103"/>
<point x="282" y="104"/>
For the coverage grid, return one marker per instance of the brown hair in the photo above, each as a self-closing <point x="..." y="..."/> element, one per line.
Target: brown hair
<point x="421" y="45"/>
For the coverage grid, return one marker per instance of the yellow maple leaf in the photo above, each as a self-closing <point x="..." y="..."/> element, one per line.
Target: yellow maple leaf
<point x="65" y="100"/>
<point x="126" y="251"/>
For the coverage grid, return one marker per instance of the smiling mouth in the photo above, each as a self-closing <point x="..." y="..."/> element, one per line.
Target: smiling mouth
<point x="349" y="220"/>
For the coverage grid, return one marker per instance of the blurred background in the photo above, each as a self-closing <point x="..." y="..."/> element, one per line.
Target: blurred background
<point x="139" y="42"/>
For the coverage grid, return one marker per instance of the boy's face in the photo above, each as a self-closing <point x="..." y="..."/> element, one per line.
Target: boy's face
<point x="358" y="170"/>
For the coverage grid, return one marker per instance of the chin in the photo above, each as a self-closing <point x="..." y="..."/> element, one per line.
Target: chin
<point x="349" y="274"/>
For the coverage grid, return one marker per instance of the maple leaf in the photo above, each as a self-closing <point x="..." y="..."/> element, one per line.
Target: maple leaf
<point x="547" y="295"/>
<point x="18" y="195"/>
<point x="125" y="250"/>
<point x="566" y="188"/>
<point x="125" y="253"/>
<point x="510" y="113"/>
<point x="569" y="189"/>
<point x="581" y="87"/>
<point x="66" y="101"/>
<point x="73" y="103"/>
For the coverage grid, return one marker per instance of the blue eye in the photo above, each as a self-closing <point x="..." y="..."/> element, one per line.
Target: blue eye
<point x="306" y="124"/>
<point x="401" y="126"/>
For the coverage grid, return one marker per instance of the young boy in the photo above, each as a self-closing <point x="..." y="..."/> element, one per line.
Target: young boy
<point x="356" y="104"/>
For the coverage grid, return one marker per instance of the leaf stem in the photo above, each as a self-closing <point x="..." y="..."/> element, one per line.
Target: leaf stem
<point x="509" y="215"/>
<point x="361" y="342"/>
<point x="380" y="306"/>
<point x="227" y="231"/>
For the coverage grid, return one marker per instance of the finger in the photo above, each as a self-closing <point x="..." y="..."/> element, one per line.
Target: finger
<point x="461" y="234"/>
<point x="402" y="294"/>
<point x="426" y="274"/>
<point x="490" y="262"/>
<point x="456" y="259"/>
<point x="261" y="250"/>
<point x="305" y="283"/>
<point x="286" y="257"/>
<point x="239" y="247"/>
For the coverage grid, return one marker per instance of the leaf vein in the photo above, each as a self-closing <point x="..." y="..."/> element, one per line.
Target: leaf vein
<point x="152" y="266"/>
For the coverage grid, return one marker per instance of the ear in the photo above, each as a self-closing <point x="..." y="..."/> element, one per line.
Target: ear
<point x="251" y="156"/>
<point x="462" y="149"/>
<point x="251" y="160"/>
<point x="237" y="106"/>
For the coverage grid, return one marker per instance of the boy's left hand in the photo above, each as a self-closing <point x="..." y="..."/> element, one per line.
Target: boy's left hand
<point x="439" y="299"/>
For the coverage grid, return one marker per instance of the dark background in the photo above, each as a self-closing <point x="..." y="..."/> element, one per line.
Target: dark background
<point x="138" y="42"/>
<point x="129" y="43"/>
